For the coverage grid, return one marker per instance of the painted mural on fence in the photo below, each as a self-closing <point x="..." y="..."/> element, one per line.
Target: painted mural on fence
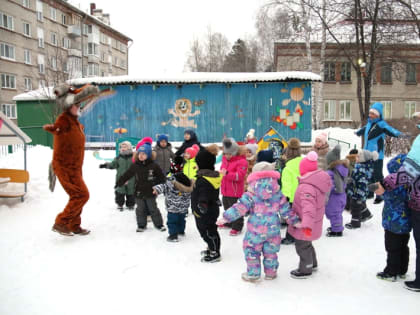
<point x="213" y="111"/>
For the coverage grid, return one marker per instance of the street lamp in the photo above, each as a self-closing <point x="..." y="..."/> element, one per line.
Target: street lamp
<point x="362" y="66"/>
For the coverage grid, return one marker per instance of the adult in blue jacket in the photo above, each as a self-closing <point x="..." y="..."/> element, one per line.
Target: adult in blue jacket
<point x="374" y="133"/>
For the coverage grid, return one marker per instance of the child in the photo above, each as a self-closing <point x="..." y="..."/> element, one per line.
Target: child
<point x="290" y="175"/>
<point x="190" y="138"/>
<point x="338" y="172"/>
<point x="250" y="137"/>
<point x="177" y="191"/>
<point x="352" y="156"/>
<point x="321" y="147"/>
<point x="164" y="153"/>
<point x="396" y="220"/>
<point x="309" y="205"/>
<point x="233" y="169"/>
<point x="122" y="163"/>
<point x="263" y="202"/>
<point x="147" y="174"/>
<point x="251" y="158"/>
<point x="190" y="166"/>
<point x="205" y="202"/>
<point x="361" y="177"/>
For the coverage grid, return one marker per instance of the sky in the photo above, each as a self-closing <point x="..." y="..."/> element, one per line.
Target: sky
<point x="162" y="30"/>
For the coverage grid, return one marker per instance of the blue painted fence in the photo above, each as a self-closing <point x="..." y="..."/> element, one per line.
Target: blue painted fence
<point x="212" y="111"/>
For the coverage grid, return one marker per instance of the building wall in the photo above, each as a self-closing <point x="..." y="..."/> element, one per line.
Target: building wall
<point x="398" y="92"/>
<point x="110" y="44"/>
<point x="225" y="110"/>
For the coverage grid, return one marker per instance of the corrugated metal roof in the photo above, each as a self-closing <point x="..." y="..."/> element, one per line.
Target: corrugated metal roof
<point x="201" y="78"/>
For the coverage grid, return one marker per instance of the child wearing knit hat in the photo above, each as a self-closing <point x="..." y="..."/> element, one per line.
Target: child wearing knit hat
<point x="164" y="153"/>
<point x="233" y="168"/>
<point x="250" y="137"/>
<point x="251" y="158"/>
<point x="309" y="205"/>
<point x="321" y="147"/>
<point x="190" y="166"/>
<point x="358" y="191"/>
<point x="122" y="163"/>
<point x="147" y="174"/>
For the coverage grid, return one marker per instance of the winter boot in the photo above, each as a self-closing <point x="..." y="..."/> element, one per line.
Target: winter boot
<point x="354" y="224"/>
<point x="172" y="238"/>
<point x="365" y="215"/>
<point x="161" y="228"/>
<point x="334" y="234"/>
<point x="131" y="208"/>
<point x="412" y="285"/>
<point x="81" y="231"/>
<point x="246" y="277"/>
<point x="212" y="257"/>
<point x="270" y="277"/>
<point x="62" y="230"/>
<point x="386" y="276"/>
<point x="300" y="275"/>
<point x="121" y="208"/>
<point x="205" y="252"/>
<point x="141" y="229"/>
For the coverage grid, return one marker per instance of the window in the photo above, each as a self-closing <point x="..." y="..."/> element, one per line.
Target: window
<point x="116" y="61"/>
<point x="329" y="110"/>
<point x="41" y="84"/>
<point x="27" y="29"/>
<point x="329" y="71"/>
<point x="345" y="110"/>
<point x="41" y="64"/>
<point x="28" y="84"/>
<point x="53" y="62"/>
<point x="7" y="51"/>
<point x="8" y="81"/>
<point x="65" y="43"/>
<point x="386" y="72"/>
<point x="6" y="21"/>
<point x="65" y="67"/>
<point x="345" y="72"/>
<point x="63" y="19"/>
<point x="40" y="33"/>
<point x="387" y="109"/>
<point x="122" y="63"/>
<point x="411" y="73"/>
<point x="39" y="9"/>
<point x="25" y="3"/>
<point x="103" y="57"/>
<point x="53" y="38"/>
<point x="93" y="69"/>
<point x="93" y="49"/>
<point x="27" y="56"/>
<point x="410" y="108"/>
<point x="53" y="13"/>
<point x="9" y="110"/>
<point x="85" y="29"/>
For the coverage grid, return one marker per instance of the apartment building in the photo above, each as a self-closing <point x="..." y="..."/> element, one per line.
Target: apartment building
<point x="396" y="80"/>
<point x="45" y="42"/>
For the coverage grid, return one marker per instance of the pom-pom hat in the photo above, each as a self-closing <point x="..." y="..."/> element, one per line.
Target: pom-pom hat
<point x="309" y="163"/>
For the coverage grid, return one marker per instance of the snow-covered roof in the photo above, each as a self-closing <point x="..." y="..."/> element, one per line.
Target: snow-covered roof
<point x="40" y="94"/>
<point x="201" y="78"/>
<point x="10" y="133"/>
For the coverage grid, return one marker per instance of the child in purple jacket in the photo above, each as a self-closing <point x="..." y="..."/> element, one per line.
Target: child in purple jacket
<point x="309" y="205"/>
<point x="338" y="171"/>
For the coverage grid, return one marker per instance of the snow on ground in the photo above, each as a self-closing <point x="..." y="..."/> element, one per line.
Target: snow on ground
<point x="115" y="270"/>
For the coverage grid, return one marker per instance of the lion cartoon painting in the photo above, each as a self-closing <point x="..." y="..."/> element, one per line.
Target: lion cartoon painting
<point x="183" y="110"/>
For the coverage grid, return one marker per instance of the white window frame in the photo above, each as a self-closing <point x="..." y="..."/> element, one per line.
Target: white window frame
<point x="93" y="49"/>
<point x="7" y="51"/>
<point x="8" y="81"/>
<point x="41" y="84"/>
<point x="53" y="14"/>
<point x="53" y="62"/>
<point x="63" y="19"/>
<point x="26" y="3"/>
<point x="387" y="104"/>
<point x="410" y="107"/>
<point x="40" y="33"/>
<point x="28" y="84"/>
<point x="93" y="69"/>
<point x="343" y="111"/>
<point x="39" y="10"/>
<point x="65" y="42"/>
<point x="7" y="21"/>
<point x="27" y="58"/>
<point x="54" y="37"/>
<point x="9" y="110"/>
<point x="331" y="110"/>
<point x="27" y="30"/>
<point x="41" y="64"/>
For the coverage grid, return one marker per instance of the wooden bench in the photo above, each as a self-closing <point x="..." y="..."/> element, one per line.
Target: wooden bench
<point x="15" y="176"/>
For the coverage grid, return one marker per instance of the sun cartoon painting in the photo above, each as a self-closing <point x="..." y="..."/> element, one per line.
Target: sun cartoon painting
<point x="291" y="109"/>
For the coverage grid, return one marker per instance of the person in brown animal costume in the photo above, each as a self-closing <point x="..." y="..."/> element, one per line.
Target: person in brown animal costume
<point x="68" y="154"/>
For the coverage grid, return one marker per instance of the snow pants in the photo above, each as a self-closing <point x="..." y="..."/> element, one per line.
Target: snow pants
<point x="415" y="221"/>
<point x="75" y="187"/>
<point x="129" y="200"/>
<point x="396" y="246"/>
<point x="307" y="255"/>
<point x="334" y="211"/>
<point x="141" y="212"/>
<point x="227" y="203"/>
<point x="206" y="226"/>
<point x="253" y="246"/>
<point x="176" y="223"/>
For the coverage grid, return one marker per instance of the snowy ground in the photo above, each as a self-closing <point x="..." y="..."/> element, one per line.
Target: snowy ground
<point x="115" y="270"/>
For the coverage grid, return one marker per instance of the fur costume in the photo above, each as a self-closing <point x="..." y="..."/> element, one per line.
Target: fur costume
<point x="68" y="154"/>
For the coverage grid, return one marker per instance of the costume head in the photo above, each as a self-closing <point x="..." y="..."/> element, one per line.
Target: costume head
<point x="67" y="95"/>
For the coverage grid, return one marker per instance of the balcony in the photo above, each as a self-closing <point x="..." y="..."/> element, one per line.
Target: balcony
<point x="93" y="58"/>
<point x="73" y="31"/>
<point x="74" y="52"/>
<point x="93" y="38"/>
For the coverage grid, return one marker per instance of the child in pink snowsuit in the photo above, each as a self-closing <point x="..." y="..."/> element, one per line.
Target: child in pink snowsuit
<point x="263" y="202"/>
